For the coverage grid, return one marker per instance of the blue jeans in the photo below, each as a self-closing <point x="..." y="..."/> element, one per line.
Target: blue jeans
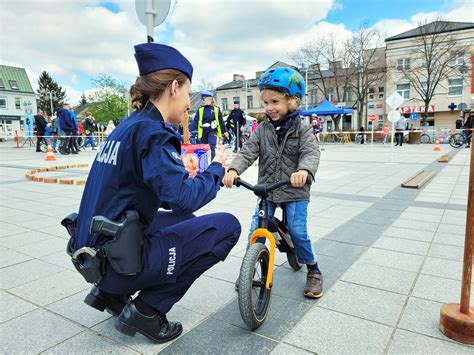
<point x="90" y="140"/>
<point x="297" y="216"/>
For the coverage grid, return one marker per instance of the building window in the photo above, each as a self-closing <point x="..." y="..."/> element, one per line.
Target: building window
<point x="3" y="102"/>
<point x="2" y="85"/>
<point x="457" y="58"/>
<point x="404" y="90"/>
<point x="455" y="87"/>
<point x="347" y="96"/>
<point x="330" y="94"/>
<point x="224" y="104"/>
<point x="18" y="103"/>
<point x="236" y="98"/>
<point x="404" y="64"/>
<point x="13" y="84"/>
<point x="250" y="101"/>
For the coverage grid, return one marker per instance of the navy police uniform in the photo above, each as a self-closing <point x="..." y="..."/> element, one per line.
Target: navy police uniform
<point x="140" y="168"/>
<point x="237" y="116"/>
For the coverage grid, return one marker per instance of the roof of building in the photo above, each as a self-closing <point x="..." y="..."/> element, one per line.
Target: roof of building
<point x="11" y="75"/>
<point x="433" y="27"/>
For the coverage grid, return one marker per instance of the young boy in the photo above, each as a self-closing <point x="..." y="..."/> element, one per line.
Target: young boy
<point x="287" y="150"/>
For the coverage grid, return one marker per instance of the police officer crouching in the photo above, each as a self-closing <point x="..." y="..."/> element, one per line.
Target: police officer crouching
<point x="119" y="240"/>
<point x="209" y="122"/>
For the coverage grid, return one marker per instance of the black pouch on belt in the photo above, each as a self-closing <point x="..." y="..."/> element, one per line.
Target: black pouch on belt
<point x="125" y="250"/>
<point x="89" y="262"/>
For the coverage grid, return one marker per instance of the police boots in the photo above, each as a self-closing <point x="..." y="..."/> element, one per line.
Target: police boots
<point x="102" y="300"/>
<point x="156" y="328"/>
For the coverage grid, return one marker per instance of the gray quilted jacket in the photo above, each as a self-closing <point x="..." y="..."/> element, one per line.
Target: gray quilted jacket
<point x="299" y="150"/>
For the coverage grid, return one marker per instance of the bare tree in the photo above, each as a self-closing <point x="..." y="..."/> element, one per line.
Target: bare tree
<point x="325" y="61"/>
<point x="205" y="85"/>
<point x="435" y="56"/>
<point x="354" y="65"/>
<point x="367" y="67"/>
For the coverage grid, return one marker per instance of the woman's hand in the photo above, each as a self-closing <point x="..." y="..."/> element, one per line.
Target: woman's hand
<point x="299" y="178"/>
<point x="221" y="155"/>
<point x="229" y="178"/>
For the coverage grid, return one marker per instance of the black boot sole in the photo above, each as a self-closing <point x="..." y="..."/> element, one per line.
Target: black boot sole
<point x="99" y="304"/>
<point x="131" y="331"/>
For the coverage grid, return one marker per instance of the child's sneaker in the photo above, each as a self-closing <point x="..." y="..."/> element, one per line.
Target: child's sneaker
<point x="314" y="285"/>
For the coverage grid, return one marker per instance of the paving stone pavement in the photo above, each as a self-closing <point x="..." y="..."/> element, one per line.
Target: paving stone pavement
<point x="390" y="258"/>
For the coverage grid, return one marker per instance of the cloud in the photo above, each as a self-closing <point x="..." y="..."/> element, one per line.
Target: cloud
<point x="75" y="40"/>
<point x="229" y="36"/>
<point x="461" y="12"/>
<point x="68" y="38"/>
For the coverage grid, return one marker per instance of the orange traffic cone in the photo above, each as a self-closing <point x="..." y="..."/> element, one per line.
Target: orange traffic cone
<point x="50" y="155"/>
<point x="437" y="147"/>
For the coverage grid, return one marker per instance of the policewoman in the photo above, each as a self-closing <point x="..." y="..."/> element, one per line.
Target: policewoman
<point x="132" y="247"/>
<point x="209" y="122"/>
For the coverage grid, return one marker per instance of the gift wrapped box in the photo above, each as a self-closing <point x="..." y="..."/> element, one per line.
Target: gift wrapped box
<point x="196" y="157"/>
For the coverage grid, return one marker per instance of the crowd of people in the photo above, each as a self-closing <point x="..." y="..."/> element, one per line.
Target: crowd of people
<point x="66" y="133"/>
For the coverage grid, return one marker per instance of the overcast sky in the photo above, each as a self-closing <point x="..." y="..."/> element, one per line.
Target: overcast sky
<point x="77" y="40"/>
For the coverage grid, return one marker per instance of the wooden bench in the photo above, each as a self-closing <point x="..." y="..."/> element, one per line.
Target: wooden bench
<point x="418" y="180"/>
<point x="445" y="158"/>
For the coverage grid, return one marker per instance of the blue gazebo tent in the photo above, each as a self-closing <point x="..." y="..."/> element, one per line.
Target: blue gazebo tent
<point x="326" y="108"/>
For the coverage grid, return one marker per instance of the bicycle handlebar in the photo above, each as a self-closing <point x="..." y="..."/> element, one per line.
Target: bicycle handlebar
<point x="261" y="189"/>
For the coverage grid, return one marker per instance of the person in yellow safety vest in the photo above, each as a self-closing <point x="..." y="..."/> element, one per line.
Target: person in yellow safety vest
<point x="209" y="122"/>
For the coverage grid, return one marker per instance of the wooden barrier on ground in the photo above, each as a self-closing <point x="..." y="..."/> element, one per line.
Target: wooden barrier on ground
<point x="418" y="180"/>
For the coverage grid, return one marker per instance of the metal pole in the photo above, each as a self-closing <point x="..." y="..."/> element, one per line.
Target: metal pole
<point x="372" y="143"/>
<point x="391" y="145"/>
<point x="306" y="89"/>
<point x="51" y="101"/>
<point x="150" y="17"/>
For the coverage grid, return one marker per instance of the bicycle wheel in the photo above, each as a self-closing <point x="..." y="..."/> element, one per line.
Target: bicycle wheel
<point x="425" y="139"/>
<point x="254" y="297"/>
<point x="293" y="260"/>
<point x="456" y="140"/>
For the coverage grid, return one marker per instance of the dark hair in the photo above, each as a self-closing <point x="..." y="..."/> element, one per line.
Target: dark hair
<point x="151" y="86"/>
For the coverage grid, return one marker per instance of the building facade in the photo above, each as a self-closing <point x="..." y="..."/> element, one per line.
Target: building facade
<point x="17" y="98"/>
<point x="404" y="55"/>
<point x="399" y="50"/>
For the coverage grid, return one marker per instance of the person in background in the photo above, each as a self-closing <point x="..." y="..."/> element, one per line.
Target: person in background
<point x="316" y="124"/>
<point x="254" y="126"/>
<point x="209" y="123"/>
<point x="110" y="128"/>
<point x="469" y="126"/>
<point x="400" y="126"/>
<point x="385" y="132"/>
<point x="238" y="121"/>
<point x="40" y="123"/>
<point x="75" y="138"/>
<point x="67" y="126"/>
<point x="362" y="135"/>
<point x="49" y="134"/>
<point x="89" y="130"/>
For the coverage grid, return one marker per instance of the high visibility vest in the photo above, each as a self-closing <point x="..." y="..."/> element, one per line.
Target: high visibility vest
<point x="216" y="115"/>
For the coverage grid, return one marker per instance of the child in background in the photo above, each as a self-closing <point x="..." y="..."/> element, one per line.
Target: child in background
<point x="287" y="150"/>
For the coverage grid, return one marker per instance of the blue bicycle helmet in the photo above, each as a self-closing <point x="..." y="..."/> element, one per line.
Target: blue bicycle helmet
<point x="283" y="79"/>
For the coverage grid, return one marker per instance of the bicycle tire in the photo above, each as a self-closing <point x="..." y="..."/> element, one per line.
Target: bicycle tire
<point x="293" y="260"/>
<point x="456" y="140"/>
<point x="254" y="315"/>
<point x="425" y="139"/>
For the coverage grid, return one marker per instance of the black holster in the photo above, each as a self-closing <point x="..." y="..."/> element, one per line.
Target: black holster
<point x="124" y="251"/>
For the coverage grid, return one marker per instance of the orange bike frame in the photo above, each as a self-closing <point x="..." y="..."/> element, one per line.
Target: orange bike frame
<point x="265" y="233"/>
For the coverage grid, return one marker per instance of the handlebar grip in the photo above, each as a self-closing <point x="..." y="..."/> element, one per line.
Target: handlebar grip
<point x="105" y="226"/>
